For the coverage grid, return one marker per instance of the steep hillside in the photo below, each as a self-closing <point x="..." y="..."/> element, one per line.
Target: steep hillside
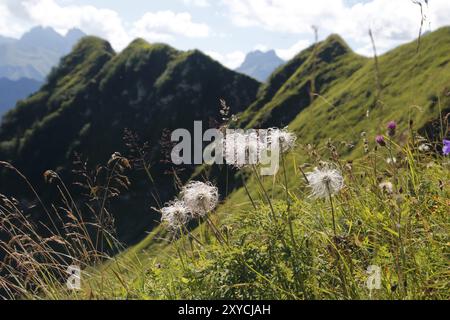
<point x="345" y="90"/>
<point x="288" y="90"/>
<point x="414" y="89"/>
<point x="95" y="94"/>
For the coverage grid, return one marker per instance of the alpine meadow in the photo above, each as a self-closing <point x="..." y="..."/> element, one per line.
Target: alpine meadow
<point x="356" y="209"/>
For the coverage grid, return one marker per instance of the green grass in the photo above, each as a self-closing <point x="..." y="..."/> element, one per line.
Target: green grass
<point x="404" y="233"/>
<point x="411" y="84"/>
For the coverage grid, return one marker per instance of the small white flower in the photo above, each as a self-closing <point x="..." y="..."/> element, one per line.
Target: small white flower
<point x="325" y="182"/>
<point x="285" y="138"/>
<point x="200" y="198"/>
<point x="175" y="215"/>
<point x="386" y="187"/>
<point x="391" y="160"/>
<point x="424" y="148"/>
<point x="430" y="165"/>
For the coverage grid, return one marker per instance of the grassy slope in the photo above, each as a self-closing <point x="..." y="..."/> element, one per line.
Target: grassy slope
<point x="412" y="86"/>
<point x="287" y="93"/>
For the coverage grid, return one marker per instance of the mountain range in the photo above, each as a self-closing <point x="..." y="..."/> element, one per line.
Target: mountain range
<point x="26" y="62"/>
<point x="260" y="65"/>
<point x="95" y="94"/>
<point x="35" y="53"/>
<point x="325" y="93"/>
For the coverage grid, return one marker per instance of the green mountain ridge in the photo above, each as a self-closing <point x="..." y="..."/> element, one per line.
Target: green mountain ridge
<point x="345" y="79"/>
<point x="287" y="92"/>
<point x="95" y="94"/>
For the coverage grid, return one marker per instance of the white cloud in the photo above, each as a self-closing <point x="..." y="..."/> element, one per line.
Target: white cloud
<point x="9" y="26"/>
<point x="284" y="15"/>
<point x="289" y="53"/>
<point x="17" y="17"/>
<point x="164" y="25"/>
<point x="261" y="47"/>
<point x="231" y="60"/>
<point x="105" y="23"/>
<point x="392" y="22"/>
<point x="197" y="3"/>
<point x="285" y="53"/>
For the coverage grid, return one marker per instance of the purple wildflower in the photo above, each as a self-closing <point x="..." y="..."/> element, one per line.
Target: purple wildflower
<point x="446" y="149"/>
<point x="392" y="128"/>
<point x="380" y="140"/>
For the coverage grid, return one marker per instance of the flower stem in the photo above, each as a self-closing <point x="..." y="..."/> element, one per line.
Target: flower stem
<point x="332" y="210"/>
<point x="248" y="192"/>
<point x="258" y="178"/>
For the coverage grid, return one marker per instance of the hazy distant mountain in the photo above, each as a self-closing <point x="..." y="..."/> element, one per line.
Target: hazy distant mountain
<point x="34" y="55"/>
<point x="6" y="40"/>
<point x="13" y="90"/>
<point x="260" y="65"/>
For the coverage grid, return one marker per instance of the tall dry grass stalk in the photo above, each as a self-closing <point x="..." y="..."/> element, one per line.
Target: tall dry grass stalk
<point x="36" y="252"/>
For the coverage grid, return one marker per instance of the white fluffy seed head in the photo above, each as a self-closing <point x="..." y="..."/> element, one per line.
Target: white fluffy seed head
<point x="175" y="215"/>
<point x="392" y="160"/>
<point x="325" y="182"/>
<point x="424" y="148"/>
<point x="200" y="198"/>
<point x="386" y="187"/>
<point x="283" y="137"/>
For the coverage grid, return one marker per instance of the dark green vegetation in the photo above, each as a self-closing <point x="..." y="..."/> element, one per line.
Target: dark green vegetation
<point x="328" y="96"/>
<point x="260" y="65"/>
<point x="95" y="94"/>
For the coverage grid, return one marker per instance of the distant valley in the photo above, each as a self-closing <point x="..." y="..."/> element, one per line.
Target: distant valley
<point x="13" y="90"/>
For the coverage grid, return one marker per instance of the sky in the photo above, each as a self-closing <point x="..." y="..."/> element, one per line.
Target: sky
<point x="228" y="29"/>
